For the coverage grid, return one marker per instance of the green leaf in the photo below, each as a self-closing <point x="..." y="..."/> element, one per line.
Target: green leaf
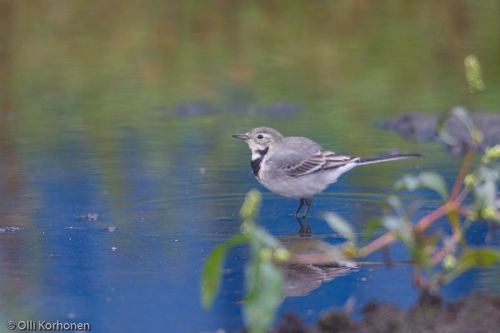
<point x="488" y="173"/>
<point x="485" y="195"/>
<point x="396" y="204"/>
<point x="264" y="293"/>
<point x="472" y="258"/>
<point x="430" y="180"/>
<point x="392" y="223"/>
<point x="211" y="276"/>
<point x="265" y="238"/>
<point x="420" y="256"/>
<point x="369" y="228"/>
<point x="400" y="227"/>
<point x="341" y="226"/>
<point x="483" y="257"/>
<point x="461" y="114"/>
<point x="434" y="182"/>
<point x="486" y="200"/>
<point x="407" y="182"/>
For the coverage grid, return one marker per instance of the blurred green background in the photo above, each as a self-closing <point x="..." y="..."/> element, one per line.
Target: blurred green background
<point x="91" y="65"/>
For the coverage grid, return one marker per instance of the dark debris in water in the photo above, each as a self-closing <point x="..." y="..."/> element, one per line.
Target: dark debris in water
<point x="476" y="312"/>
<point x="424" y="128"/>
<point x="194" y="109"/>
<point x="9" y="229"/>
<point x="199" y="109"/>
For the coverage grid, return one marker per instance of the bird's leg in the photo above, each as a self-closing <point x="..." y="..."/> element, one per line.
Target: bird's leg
<point x="300" y="206"/>
<point x="301" y="230"/>
<point x="308" y="227"/>
<point x="304" y="232"/>
<point x="308" y="205"/>
<point x="307" y="230"/>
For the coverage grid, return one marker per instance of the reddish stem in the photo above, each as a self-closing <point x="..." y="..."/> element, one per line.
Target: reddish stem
<point x="463" y="172"/>
<point x="376" y="244"/>
<point x="453" y="204"/>
<point x="423" y="224"/>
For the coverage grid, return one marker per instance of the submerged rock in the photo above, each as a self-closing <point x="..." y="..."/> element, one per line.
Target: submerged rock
<point x="424" y="128"/>
<point x="476" y="312"/>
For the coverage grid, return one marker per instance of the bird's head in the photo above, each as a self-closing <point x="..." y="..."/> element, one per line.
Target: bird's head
<point x="260" y="138"/>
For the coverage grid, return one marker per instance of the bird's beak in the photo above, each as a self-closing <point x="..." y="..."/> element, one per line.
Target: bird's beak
<point x="241" y="136"/>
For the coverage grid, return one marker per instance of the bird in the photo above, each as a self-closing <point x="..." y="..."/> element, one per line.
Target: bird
<point x="297" y="167"/>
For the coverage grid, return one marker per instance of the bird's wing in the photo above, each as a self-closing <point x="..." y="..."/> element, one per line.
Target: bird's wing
<point x="321" y="160"/>
<point x="300" y="156"/>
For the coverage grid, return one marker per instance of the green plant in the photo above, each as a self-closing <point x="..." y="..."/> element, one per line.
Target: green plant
<point x="438" y="258"/>
<point x="263" y="278"/>
<point x="263" y="274"/>
<point x="445" y="257"/>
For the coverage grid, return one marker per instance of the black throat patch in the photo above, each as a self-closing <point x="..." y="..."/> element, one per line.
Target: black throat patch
<point x="255" y="164"/>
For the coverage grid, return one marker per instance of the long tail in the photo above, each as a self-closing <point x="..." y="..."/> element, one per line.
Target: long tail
<point x="385" y="158"/>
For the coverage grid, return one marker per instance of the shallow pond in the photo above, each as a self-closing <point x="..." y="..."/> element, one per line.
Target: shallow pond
<point x="137" y="264"/>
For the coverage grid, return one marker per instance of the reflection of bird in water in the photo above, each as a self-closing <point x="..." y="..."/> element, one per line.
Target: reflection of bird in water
<point x="312" y="268"/>
<point x="314" y="262"/>
<point x="312" y="265"/>
<point x="300" y="280"/>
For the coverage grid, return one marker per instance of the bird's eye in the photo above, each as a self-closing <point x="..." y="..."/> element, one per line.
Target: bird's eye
<point x="260" y="136"/>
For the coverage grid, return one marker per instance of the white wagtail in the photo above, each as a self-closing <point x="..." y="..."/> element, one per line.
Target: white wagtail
<point x="297" y="167"/>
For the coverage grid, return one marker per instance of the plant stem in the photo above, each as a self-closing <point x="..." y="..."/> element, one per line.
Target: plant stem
<point x="376" y="244"/>
<point x="463" y="172"/>
<point x="423" y="224"/>
<point x="453" y="204"/>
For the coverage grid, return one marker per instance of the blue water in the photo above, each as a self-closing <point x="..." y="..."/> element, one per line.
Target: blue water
<point x="136" y="268"/>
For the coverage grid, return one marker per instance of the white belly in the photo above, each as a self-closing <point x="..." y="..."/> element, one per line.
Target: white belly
<point x="301" y="186"/>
